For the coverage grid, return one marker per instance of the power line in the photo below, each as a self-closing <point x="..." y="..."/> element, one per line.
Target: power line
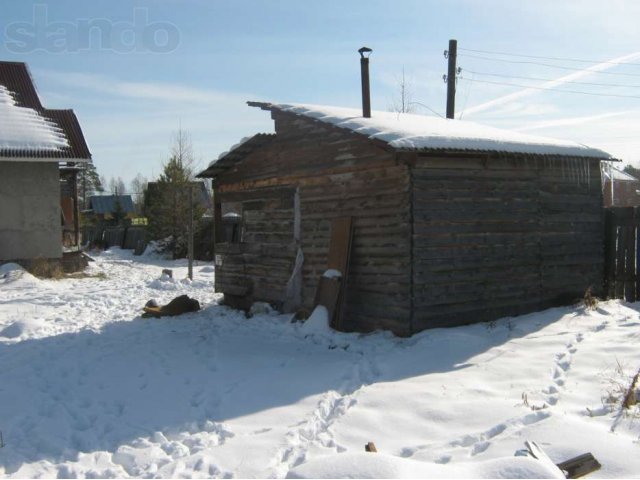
<point x="466" y="97"/>
<point x="548" y="65"/>
<point x="548" y="58"/>
<point x="427" y="107"/>
<point x="553" y="89"/>
<point x="551" y="80"/>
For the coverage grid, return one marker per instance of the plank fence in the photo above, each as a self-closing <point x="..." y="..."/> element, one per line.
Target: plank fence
<point x="622" y="259"/>
<point x="131" y="237"/>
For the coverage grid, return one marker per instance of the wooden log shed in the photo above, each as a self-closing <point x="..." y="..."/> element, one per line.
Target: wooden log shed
<point x="453" y="223"/>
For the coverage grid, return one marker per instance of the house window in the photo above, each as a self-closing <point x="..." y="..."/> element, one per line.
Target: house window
<point x="232" y="222"/>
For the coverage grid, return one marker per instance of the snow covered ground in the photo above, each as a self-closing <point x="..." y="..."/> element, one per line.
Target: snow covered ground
<point x="88" y="388"/>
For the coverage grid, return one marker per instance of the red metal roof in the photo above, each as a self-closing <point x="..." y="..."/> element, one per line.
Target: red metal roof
<point x="15" y="77"/>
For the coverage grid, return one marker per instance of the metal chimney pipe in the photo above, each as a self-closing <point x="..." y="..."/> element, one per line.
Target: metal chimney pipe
<point x="364" y="74"/>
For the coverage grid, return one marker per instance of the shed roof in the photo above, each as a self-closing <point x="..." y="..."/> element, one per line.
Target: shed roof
<point x="618" y="175"/>
<point x="101" y="204"/>
<point x="30" y="131"/>
<point x="235" y="153"/>
<point x="405" y="131"/>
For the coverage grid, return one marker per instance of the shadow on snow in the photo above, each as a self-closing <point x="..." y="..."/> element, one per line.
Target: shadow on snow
<point x="94" y="391"/>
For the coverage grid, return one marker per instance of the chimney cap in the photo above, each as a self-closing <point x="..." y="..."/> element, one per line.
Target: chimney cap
<point x="364" y="50"/>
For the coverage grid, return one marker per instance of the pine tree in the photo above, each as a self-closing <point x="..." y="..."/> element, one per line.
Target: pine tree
<point x="167" y="201"/>
<point x="89" y="183"/>
<point x="118" y="213"/>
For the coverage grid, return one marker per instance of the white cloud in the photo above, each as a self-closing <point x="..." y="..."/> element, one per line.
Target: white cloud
<point x="164" y="92"/>
<point x="129" y="126"/>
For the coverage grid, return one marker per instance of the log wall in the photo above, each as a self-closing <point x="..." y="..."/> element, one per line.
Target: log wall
<point x="496" y="236"/>
<point x="336" y="173"/>
<point x="438" y="240"/>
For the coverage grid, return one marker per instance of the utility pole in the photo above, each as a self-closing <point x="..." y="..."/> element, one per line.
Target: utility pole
<point x="452" y="53"/>
<point x="190" y="247"/>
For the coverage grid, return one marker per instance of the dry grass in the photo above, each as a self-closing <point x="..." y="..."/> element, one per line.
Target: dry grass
<point x="45" y="268"/>
<point x="99" y="275"/>
<point x="589" y="300"/>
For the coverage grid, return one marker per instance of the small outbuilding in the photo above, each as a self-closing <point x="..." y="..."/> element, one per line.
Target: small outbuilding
<point x="106" y="207"/>
<point x="620" y="188"/>
<point x="452" y="222"/>
<point x="41" y="151"/>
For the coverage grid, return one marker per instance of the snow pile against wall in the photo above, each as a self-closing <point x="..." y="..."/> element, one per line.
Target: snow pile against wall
<point x="23" y="128"/>
<point x="417" y="132"/>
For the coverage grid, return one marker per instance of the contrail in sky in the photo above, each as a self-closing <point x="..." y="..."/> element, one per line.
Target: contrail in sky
<point x="551" y="84"/>
<point x="561" y="122"/>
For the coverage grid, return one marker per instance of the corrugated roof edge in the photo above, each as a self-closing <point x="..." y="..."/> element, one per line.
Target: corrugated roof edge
<point x="436" y="149"/>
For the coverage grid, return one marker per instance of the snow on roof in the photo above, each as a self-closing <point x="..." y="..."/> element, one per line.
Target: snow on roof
<point x="237" y="151"/>
<point x="618" y="175"/>
<point x="231" y="149"/>
<point x="23" y="128"/>
<point x="418" y="132"/>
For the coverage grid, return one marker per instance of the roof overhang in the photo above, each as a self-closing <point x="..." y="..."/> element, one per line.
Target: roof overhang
<point x="426" y="135"/>
<point x="235" y="155"/>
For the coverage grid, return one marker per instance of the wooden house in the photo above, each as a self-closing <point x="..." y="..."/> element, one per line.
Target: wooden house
<point x="41" y="151"/>
<point x="101" y="208"/>
<point x="453" y="222"/>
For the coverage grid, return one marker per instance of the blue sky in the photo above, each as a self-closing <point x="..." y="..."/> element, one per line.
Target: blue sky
<point x="131" y="90"/>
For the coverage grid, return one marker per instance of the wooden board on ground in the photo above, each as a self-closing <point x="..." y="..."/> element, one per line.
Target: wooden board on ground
<point x="573" y="468"/>
<point x="579" y="466"/>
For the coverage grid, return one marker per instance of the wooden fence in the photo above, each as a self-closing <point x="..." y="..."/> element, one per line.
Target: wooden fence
<point x="622" y="259"/>
<point x="131" y="237"/>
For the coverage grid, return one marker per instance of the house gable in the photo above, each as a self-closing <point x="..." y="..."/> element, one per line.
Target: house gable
<point x="30" y="132"/>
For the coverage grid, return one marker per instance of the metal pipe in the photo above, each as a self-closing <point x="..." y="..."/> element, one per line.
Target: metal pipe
<point x="364" y="74"/>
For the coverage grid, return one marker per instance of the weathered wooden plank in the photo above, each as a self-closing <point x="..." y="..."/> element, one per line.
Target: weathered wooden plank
<point x="630" y="264"/>
<point x="610" y="254"/>
<point x="366" y="304"/>
<point x="620" y="261"/>
<point x="254" y="237"/>
<point x="473" y="239"/>
<point x="579" y="466"/>
<point x="376" y="320"/>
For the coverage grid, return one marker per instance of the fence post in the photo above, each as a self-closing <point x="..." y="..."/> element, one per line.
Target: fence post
<point x="630" y="264"/>
<point x="636" y="250"/>
<point x="609" y="253"/>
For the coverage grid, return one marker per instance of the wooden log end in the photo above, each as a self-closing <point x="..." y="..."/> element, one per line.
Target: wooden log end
<point x="370" y="447"/>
